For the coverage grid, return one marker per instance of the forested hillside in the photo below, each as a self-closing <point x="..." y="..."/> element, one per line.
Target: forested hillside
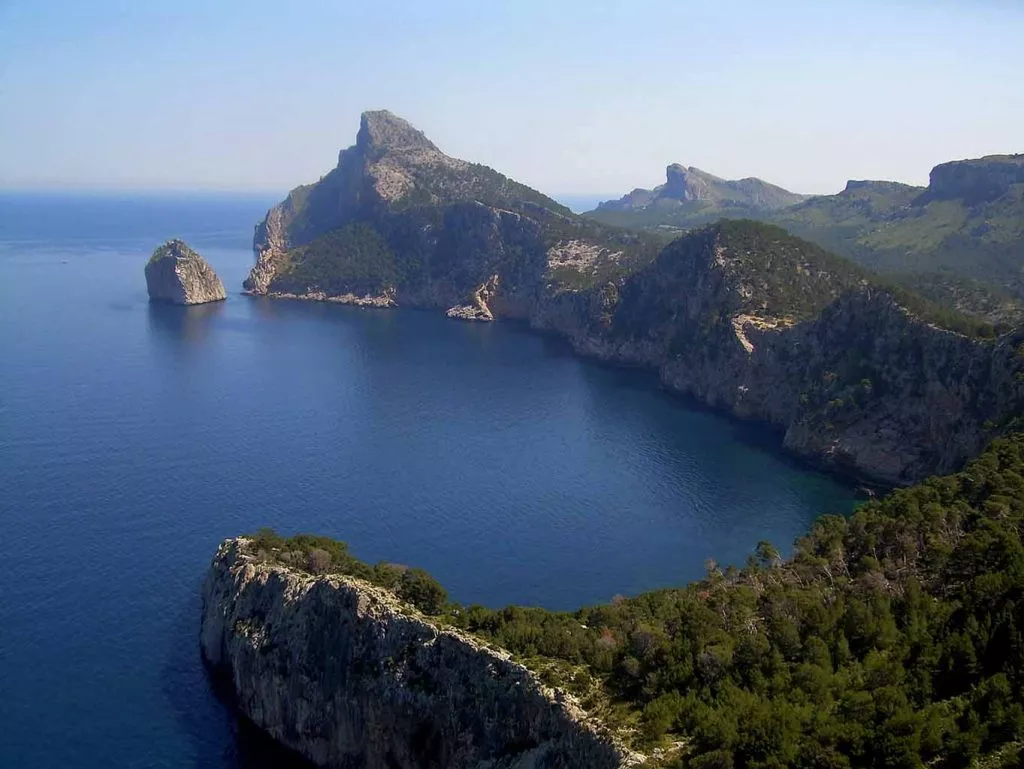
<point x="894" y="638"/>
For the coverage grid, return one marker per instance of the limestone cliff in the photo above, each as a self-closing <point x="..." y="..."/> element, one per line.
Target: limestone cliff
<point x="349" y="676"/>
<point x="398" y="217"/>
<point x="753" y="321"/>
<point x="177" y="274"/>
<point x="740" y="315"/>
<point x="975" y="181"/>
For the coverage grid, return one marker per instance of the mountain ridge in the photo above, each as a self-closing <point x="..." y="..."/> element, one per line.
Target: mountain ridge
<point x="734" y="314"/>
<point x="856" y="375"/>
<point x="963" y="233"/>
<point x="692" y="196"/>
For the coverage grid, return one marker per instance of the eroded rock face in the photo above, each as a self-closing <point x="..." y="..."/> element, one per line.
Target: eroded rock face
<point x="975" y="181"/>
<point x="863" y="385"/>
<point x="686" y="185"/>
<point x="347" y="675"/>
<point x="177" y="274"/>
<point x="740" y="315"/>
<point x="477" y="308"/>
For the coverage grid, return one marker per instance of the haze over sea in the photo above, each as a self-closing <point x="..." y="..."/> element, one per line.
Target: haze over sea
<point x="134" y="438"/>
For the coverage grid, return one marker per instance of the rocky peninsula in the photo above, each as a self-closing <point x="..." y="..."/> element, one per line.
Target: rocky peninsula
<point x="887" y="639"/>
<point x="178" y="275"/>
<point x="349" y="675"/>
<point x="857" y="375"/>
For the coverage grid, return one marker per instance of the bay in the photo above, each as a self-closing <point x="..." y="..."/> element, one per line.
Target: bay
<point x="134" y="438"/>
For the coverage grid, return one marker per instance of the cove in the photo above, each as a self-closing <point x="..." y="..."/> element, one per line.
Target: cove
<point x="133" y="438"/>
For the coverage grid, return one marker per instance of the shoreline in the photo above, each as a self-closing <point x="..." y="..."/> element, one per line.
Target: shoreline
<point x="864" y="486"/>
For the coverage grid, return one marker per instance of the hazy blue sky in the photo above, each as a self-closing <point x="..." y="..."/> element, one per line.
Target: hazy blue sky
<point x="568" y="96"/>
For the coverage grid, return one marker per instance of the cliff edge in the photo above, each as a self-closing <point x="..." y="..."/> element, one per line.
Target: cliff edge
<point x="858" y="375"/>
<point x="348" y="675"/>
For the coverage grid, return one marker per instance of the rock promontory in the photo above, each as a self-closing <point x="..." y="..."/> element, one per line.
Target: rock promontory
<point x="349" y="675"/>
<point x="858" y="375"/>
<point x="691" y="185"/>
<point x="178" y="275"/>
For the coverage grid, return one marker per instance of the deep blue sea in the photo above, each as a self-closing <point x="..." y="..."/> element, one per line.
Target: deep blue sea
<point x="133" y="438"/>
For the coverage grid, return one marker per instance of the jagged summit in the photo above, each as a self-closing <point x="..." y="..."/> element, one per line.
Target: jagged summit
<point x="395" y="213"/>
<point x="689" y="185"/>
<point x="682" y="183"/>
<point x="383" y="131"/>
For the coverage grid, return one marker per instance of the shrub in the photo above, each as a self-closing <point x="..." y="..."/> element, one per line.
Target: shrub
<point x="318" y="561"/>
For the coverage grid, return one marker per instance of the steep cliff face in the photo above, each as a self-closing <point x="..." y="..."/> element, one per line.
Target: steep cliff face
<point x="399" y="217"/>
<point x="765" y="326"/>
<point x="739" y="314"/>
<point x="349" y="676"/>
<point x="177" y="274"/>
<point x="975" y="181"/>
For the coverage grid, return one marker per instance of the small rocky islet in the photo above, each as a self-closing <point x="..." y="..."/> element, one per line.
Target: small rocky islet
<point x="176" y="274"/>
<point x="888" y="639"/>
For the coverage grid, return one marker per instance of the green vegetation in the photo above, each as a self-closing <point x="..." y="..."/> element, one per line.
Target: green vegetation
<point x="894" y="638"/>
<point x="441" y="184"/>
<point x="353" y="258"/>
<point x="787" y="276"/>
<point x="967" y="296"/>
<point x="172" y="249"/>
<point x="909" y="233"/>
<point x="691" y="198"/>
<point x="323" y="555"/>
<point x="968" y="224"/>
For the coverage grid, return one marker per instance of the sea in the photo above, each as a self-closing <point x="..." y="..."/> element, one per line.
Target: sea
<point x="135" y="437"/>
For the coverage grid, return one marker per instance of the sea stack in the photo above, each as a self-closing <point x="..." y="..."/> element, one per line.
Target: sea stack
<point x="178" y="275"/>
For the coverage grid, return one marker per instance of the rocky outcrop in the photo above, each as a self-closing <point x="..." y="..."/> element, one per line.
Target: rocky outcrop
<point x="981" y="180"/>
<point x="177" y="274"/>
<point x="692" y="185"/>
<point x="740" y="315"/>
<point x="477" y="308"/>
<point x="349" y="676"/>
<point x="382" y="301"/>
<point x="856" y="381"/>
<point x="270" y="247"/>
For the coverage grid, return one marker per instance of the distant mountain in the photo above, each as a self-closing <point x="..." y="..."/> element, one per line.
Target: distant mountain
<point x="691" y="197"/>
<point x="960" y="240"/>
<point x="398" y="221"/>
<point x="739" y="314"/>
<point x="747" y="318"/>
<point x="968" y="220"/>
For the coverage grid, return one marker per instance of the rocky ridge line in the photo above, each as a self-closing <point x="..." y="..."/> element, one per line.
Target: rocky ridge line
<point x="348" y="675"/>
<point x="736" y="314"/>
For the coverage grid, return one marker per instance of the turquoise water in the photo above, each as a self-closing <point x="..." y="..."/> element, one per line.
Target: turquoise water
<point x="133" y="438"/>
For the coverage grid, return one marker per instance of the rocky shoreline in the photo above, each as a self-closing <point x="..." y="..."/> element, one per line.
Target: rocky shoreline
<point x="742" y="316"/>
<point x="348" y="675"/>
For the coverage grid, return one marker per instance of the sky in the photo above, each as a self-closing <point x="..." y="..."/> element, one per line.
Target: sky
<point x="578" y="97"/>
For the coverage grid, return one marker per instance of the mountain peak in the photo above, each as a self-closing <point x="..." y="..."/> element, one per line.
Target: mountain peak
<point x="980" y="180"/>
<point x="682" y="183"/>
<point x="382" y="131"/>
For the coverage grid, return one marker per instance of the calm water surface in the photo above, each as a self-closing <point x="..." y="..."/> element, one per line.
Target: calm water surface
<point x="133" y="438"/>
